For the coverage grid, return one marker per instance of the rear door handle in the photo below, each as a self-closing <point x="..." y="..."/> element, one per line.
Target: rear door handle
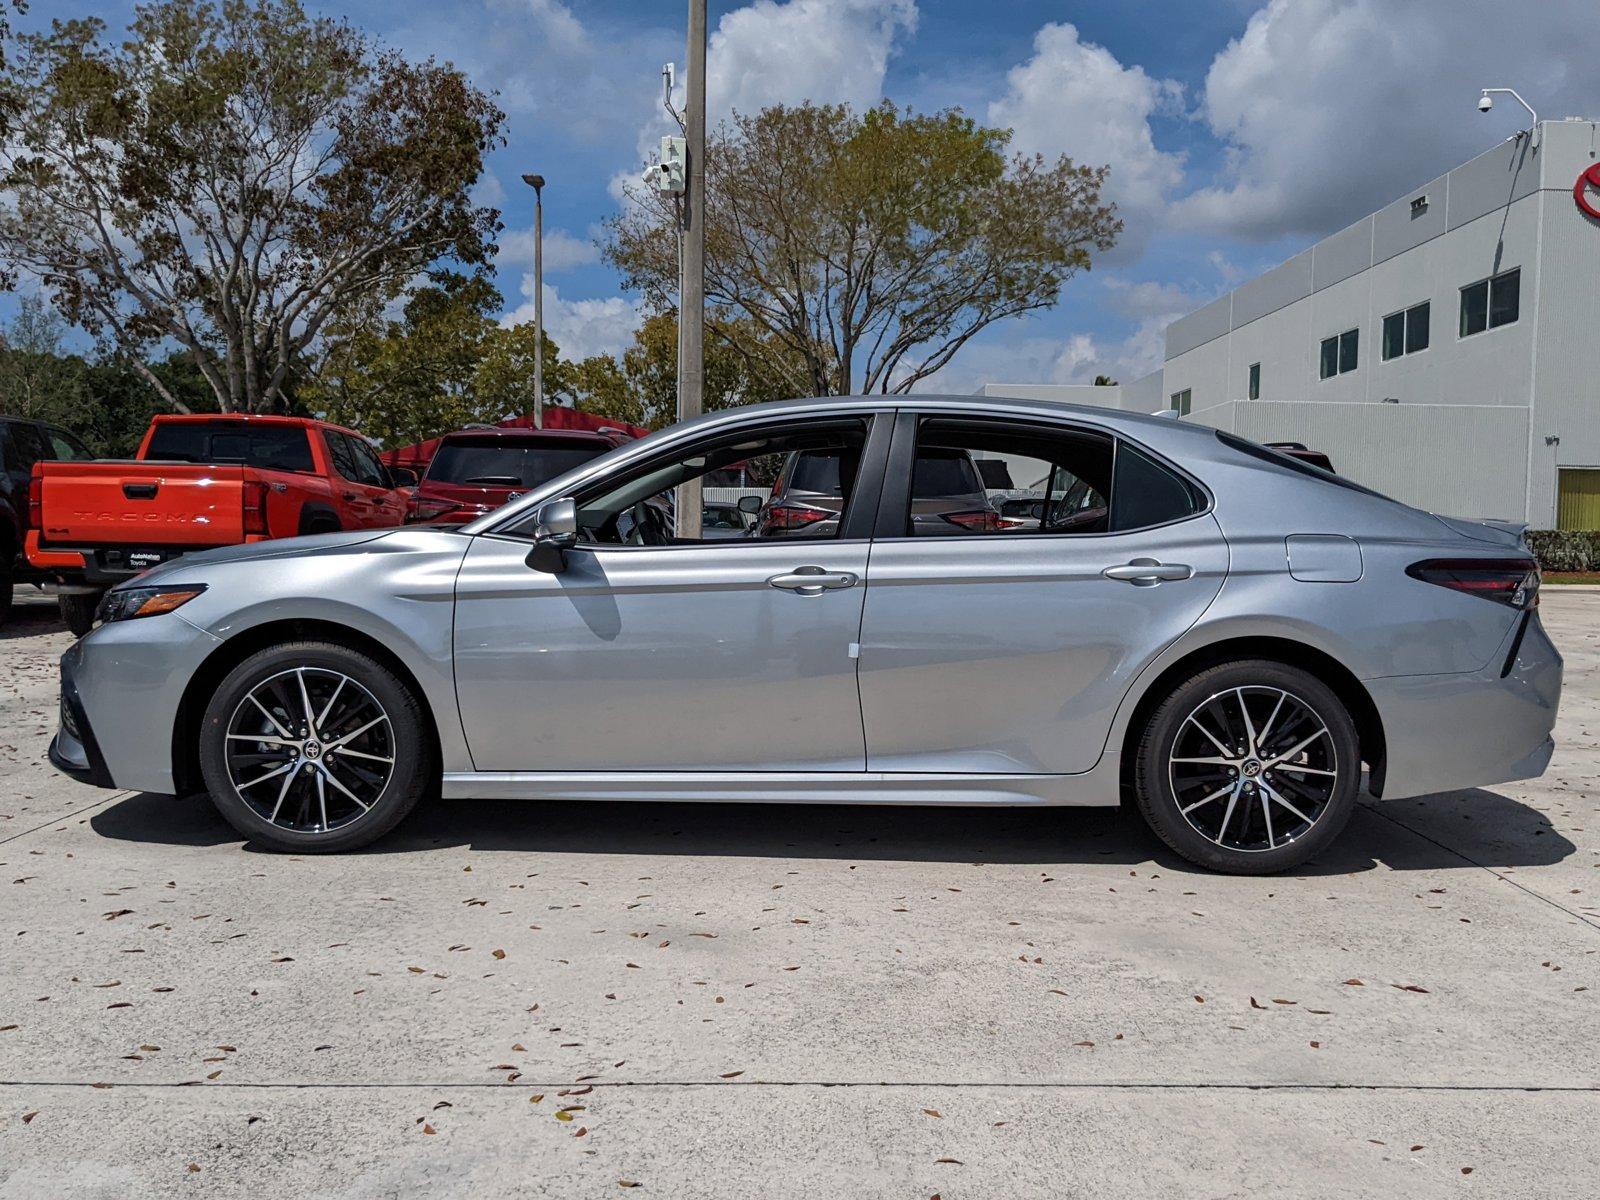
<point x="1143" y="572"/>
<point x="812" y="581"/>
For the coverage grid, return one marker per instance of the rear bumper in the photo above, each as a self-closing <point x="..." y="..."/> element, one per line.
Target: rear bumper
<point x="95" y="568"/>
<point x="1474" y="729"/>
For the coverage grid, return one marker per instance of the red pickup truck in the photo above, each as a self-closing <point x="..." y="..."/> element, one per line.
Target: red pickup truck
<point x="200" y="482"/>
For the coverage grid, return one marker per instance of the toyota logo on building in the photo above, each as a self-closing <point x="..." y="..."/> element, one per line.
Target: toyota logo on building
<point x="1580" y="190"/>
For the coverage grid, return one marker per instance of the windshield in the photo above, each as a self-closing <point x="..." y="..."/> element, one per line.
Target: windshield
<point x="503" y="462"/>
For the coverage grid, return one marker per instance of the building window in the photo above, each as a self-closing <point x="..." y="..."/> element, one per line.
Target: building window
<point x="1255" y="381"/>
<point x="1180" y="402"/>
<point x="1406" y="332"/>
<point x="1491" y="303"/>
<point x="1339" y="354"/>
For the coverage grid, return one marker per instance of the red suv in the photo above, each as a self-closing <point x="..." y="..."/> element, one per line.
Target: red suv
<point x="476" y="470"/>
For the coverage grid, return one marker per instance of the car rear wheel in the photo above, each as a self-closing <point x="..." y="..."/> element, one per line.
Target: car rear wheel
<point x="1249" y="767"/>
<point x="78" y="612"/>
<point x="314" y="746"/>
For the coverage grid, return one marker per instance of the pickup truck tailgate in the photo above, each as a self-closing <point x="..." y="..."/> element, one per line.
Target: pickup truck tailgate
<point x="149" y="503"/>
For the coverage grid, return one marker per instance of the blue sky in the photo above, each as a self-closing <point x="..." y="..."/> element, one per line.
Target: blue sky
<point x="1237" y="131"/>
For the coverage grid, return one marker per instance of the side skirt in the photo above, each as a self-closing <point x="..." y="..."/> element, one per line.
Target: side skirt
<point x="1094" y="788"/>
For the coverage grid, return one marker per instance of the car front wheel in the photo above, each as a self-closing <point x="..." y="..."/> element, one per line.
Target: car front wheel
<point x="1249" y="767"/>
<point x="314" y="746"/>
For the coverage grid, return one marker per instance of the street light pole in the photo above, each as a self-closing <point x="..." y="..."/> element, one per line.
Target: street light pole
<point x="692" y="301"/>
<point x="536" y="182"/>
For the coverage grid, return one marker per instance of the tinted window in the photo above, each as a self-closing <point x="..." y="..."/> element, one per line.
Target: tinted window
<point x="24" y="447"/>
<point x="344" y="462"/>
<point x="368" y="467"/>
<point x="1394" y="335"/>
<point x="815" y="472"/>
<point x="943" y="473"/>
<point x="1255" y="381"/>
<point x="1417" y="327"/>
<point x="1505" y="298"/>
<point x="270" y="447"/>
<point x="1328" y="361"/>
<point x="1146" y="493"/>
<point x="1348" y="342"/>
<point x="504" y="462"/>
<point x="66" y="447"/>
<point x="1474" y="308"/>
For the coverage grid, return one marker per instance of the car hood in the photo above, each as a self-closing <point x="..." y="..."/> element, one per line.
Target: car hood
<point x="297" y="547"/>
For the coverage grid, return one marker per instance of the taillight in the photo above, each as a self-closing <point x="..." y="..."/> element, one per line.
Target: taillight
<point x="979" y="520"/>
<point x="255" y="508"/>
<point x="36" y="500"/>
<point x="1509" y="581"/>
<point x="781" y="518"/>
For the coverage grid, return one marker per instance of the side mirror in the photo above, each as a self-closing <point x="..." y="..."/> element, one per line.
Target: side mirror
<point x="554" y="532"/>
<point x="403" y="477"/>
<point x="750" y="505"/>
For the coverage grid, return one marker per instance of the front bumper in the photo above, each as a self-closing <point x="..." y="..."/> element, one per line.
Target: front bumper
<point x="121" y="688"/>
<point x="1475" y="728"/>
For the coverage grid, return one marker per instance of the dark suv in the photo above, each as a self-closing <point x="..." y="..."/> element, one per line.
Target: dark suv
<point x="24" y="442"/>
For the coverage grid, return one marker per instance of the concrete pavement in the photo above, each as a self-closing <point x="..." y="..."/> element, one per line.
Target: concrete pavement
<point x="566" y="999"/>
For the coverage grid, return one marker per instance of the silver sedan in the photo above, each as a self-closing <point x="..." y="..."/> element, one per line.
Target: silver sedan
<point x="1235" y="641"/>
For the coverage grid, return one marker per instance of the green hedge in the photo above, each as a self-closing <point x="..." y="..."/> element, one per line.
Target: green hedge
<point x="1566" y="549"/>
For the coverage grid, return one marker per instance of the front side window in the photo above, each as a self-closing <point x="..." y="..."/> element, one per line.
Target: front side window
<point x="799" y="480"/>
<point x="1339" y="354"/>
<point x="1491" y="303"/>
<point x="368" y="466"/>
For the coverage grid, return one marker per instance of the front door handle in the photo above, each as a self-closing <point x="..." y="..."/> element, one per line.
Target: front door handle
<point x="1145" y="572"/>
<point x="812" y="581"/>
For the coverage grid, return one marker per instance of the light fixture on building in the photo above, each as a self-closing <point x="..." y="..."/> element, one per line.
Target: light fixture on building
<point x="1390" y="400"/>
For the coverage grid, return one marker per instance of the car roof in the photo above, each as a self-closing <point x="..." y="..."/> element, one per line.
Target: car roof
<point x="523" y="434"/>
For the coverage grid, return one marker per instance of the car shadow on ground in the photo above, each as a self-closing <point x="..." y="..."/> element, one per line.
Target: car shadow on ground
<point x="1453" y="829"/>
<point x="32" y="614"/>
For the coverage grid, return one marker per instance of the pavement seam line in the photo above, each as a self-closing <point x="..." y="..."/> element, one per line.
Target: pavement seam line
<point x="1467" y="858"/>
<point x="77" y="812"/>
<point x="620" y="1085"/>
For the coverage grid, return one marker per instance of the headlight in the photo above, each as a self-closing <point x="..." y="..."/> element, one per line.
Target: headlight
<point x="123" y="604"/>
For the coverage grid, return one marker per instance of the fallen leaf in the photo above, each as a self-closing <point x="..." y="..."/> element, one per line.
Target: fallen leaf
<point x="932" y="1112"/>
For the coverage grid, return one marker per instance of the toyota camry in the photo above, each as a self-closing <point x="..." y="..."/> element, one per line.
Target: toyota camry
<point x="1232" y="640"/>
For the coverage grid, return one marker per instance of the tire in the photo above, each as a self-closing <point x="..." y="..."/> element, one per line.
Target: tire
<point x="322" y="804"/>
<point x="1269" y="808"/>
<point x="8" y="579"/>
<point x="78" y="612"/>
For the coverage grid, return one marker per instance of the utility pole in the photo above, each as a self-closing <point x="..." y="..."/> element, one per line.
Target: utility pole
<point x="692" y="294"/>
<point x="536" y="182"/>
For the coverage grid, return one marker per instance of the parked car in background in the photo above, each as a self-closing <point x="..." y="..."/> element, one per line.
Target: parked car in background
<point x="24" y="443"/>
<point x="1304" y="453"/>
<point x="475" y="471"/>
<point x="199" y="482"/>
<point x="1241" y="646"/>
<point x="947" y="494"/>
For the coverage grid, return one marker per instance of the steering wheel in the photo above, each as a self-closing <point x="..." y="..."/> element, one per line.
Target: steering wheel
<point x="647" y="526"/>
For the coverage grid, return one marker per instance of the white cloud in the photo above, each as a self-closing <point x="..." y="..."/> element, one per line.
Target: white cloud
<point x="825" y="51"/>
<point x="562" y="250"/>
<point x="580" y="328"/>
<point x="1331" y="108"/>
<point x="1073" y="97"/>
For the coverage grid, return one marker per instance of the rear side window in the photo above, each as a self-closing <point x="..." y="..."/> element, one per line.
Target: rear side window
<point x="1146" y="493"/>
<point x="270" y="447"/>
<point x="344" y="462"/>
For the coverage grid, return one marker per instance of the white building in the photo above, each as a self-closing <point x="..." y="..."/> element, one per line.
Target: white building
<point x="1444" y="350"/>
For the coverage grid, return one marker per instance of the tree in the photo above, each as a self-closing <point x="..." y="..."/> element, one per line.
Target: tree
<point x="443" y="363"/>
<point x="232" y="178"/>
<point x="36" y="379"/>
<point x="642" y="388"/>
<point x="863" y="251"/>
